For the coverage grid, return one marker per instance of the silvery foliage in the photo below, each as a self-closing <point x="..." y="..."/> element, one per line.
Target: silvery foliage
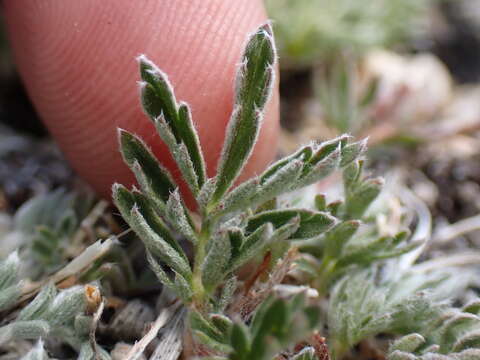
<point x="454" y="335"/>
<point x="373" y="282"/>
<point x="37" y="353"/>
<point x="52" y="313"/>
<point x="10" y="286"/>
<point x="382" y="300"/>
<point x="41" y="229"/>
<point x="354" y="242"/>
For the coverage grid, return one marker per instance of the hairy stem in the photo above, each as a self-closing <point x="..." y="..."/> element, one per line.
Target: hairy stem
<point x="324" y="276"/>
<point x="199" y="292"/>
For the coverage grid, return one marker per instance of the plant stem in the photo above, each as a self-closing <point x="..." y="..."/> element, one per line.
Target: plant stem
<point x="199" y="292"/>
<point x="324" y="275"/>
<point x="339" y="349"/>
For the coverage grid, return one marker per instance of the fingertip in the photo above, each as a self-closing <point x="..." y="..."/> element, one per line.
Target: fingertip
<point x="79" y="62"/>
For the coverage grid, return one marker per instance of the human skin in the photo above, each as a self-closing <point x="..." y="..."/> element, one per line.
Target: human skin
<point x="77" y="60"/>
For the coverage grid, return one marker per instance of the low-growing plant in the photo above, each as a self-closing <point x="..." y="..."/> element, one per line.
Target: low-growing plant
<point x="266" y="269"/>
<point x="256" y="223"/>
<point x="51" y="314"/>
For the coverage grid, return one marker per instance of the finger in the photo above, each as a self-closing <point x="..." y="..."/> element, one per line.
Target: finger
<point x="77" y="61"/>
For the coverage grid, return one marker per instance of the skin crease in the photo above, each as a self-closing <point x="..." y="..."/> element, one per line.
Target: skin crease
<point x="77" y="60"/>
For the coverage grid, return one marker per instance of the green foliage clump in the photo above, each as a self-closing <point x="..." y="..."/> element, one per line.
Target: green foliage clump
<point x="236" y="225"/>
<point x="455" y="334"/>
<point x="259" y="219"/>
<point x="309" y="30"/>
<point x="276" y="325"/>
<point x="43" y="228"/>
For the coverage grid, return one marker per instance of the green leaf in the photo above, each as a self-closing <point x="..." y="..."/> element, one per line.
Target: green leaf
<point x="323" y="150"/>
<point x="304" y="154"/>
<point x="254" y="83"/>
<point x="469" y="340"/>
<point x="216" y="261"/>
<point x="320" y="202"/>
<point x="163" y="277"/>
<point x="24" y="330"/>
<point x="221" y="322"/>
<point x="192" y="143"/>
<point x="253" y="245"/>
<point x="211" y="343"/>
<point x="240" y="341"/>
<point x="273" y="323"/>
<point x="351" y="152"/>
<point x="455" y="327"/>
<point x="287" y="230"/>
<point x="336" y="238"/>
<point x="152" y="177"/>
<point x="360" y="199"/>
<point x="322" y="163"/>
<point x="182" y="287"/>
<point x="126" y="201"/>
<point x="9" y="295"/>
<point x="227" y="293"/>
<point x="334" y="207"/>
<point x="378" y="249"/>
<point x="277" y="325"/>
<point x="179" y="153"/>
<point x="312" y="223"/>
<point x="241" y="197"/>
<point x="237" y="240"/>
<point x="157" y="245"/>
<point x="280" y="182"/>
<point x="268" y="205"/>
<point x="39" y="306"/>
<point x="159" y="101"/>
<point x="66" y="305"/>
<point x="199" y="323"/>
<point x="205" y="194"/>
<point x="155" y="222"/>
<point x="157" y="92"/>
<point x="351" y="175"/>
<point x="259" y="316"/>
<point x="472" y="307"/>
<point x="409" y="343"/>
<point x="177" y="216"/>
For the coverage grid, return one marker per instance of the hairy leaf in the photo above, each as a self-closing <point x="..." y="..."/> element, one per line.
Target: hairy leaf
<point x="255" y="79"/>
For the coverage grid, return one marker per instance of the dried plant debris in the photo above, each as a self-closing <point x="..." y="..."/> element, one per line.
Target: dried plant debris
<point x="268" y="269"/>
